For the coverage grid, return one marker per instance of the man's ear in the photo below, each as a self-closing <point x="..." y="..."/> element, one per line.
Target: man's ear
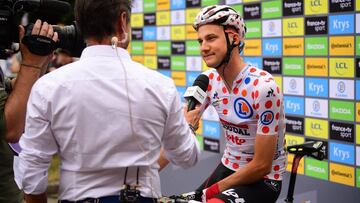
<point x="122" y="23"/>
<point x="236" y="39"/>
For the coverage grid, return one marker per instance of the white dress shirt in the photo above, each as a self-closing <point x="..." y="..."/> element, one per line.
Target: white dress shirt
<point x="81" y="111"/>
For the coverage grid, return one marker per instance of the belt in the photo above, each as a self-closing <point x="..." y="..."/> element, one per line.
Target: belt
<point x="110" y="199"/>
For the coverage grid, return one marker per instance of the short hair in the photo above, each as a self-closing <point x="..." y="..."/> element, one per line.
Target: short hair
<point x="98" y="18"/>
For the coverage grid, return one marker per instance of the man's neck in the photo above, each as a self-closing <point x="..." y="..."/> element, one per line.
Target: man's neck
<point x="230" y="71"/>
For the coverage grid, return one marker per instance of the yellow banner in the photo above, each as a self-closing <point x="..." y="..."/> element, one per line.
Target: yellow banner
<point x="342" y="67"/>
<point x="342" y="174"/>
<point x="178" y="32"/>
<point x="342" y="46"/>
<point x="137" y="20"/>
<point x="290" y="162"/>
<point x="139" y="59"/>
<point x="191" y="14"/>
<point x="316" y="67"/>
<point x="162" y="5"/>
<point x="150" y="62"/>
<point x="179" y="77"/>
<point x="293" y="139"/>
<point x="316" y="7"/>
<point x="163" y="18"/>
<point x="293" y="46"/>
<point x="357" y="6"/>
<point x="293" y="26"/>
<point x="253" y="47"/>
<point x="316" y="128"/>
<point x="150" y="48"/>
<point x="357" y="134"/>
<point x="191" y="32"/>
<point x="278" y="80"/>
<point x="357" y="113"/>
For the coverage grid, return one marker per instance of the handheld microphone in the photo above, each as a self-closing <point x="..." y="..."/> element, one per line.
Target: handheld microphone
<point x="197" y="93"/>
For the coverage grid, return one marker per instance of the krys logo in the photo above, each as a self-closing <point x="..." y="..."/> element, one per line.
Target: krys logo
<point x="243" y="108"/>
<point x="267" y="117"/>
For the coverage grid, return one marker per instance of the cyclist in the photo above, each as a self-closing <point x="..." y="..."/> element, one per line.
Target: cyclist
<point x="250" y="107"/>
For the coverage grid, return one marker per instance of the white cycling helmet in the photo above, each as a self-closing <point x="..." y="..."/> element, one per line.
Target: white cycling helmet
<point x="222" y="15"/>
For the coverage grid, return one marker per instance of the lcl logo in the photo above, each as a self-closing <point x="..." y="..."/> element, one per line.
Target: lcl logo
<point x="315" y="5"/>
<point x="341" y="68"/>
<point x="292" y="26"/>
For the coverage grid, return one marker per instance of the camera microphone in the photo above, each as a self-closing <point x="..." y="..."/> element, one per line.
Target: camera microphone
<point x="197" y="93"/>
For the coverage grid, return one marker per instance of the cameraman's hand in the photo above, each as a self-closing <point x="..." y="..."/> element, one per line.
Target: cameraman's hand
<point x="28" y="58"/>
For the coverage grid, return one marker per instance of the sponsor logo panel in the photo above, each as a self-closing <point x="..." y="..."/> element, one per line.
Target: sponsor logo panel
<point x="150" y="62"/>
<point x="316" y="87"/>
<point x="150" y="48"/>
<point x="271" y="9"/>
<point x="136" y="34"/>
<point x="255" y="61"/>
<point x="137" y="47"/>
<point x="253" y="47"/>
<point x="358" y="114"/>
<point x="317" y="169"/>
<point x="341" y="67"/>
<point x="316" y="7"/>
<point x="358" y="20"/>
<point x="150" y="18"/>
<point x="278" y="81"/>
<point x="316" y="107"/>
<point x="295" y="125"/>
<point x="272" y="47"/>
<point x="341" y="5"/>
<point x="211" y="129"/>
<point x="342" y="110"/>
<point x="191" y="15"/>
<point x="293" y="26"/>
<point x="294" y="105"/>
<point x="177" y="17"/>
<point x="341" y="24"/>
<point x="293" y="140"/>
<point x="209" y="2"/>
<point x="342" y="153"/>
<point x="358" y="135"/>
<point x="137" y="6"/>
<point x="179" y="78"/>
<point x="139" y="59"/>
<point x="137" y="20"/>
<point x="294" y="85"/>
<point x="177" y="4"/>
<point x="341" y="89"/>
<point x="150" y="33"/>
<point x="316" y="67"/>
<point x="212" y="145"/>
<point x="178" y="63"/>
<point x="162" y="5"/>
<point x="272" y="65"/>
<point x="163" y="62"/>
<point x="316" y="128"/>
<point x="230" y="2"/>
<point x="163" y="48"/>
<point x="271" y="28"/>
<point x="163" y="32"/>
<point x="358" y="157"/>
<point x="192" y="48"/>
<point x="149" y="6"/>
<point x="178" y="32"/>
<point x="293" y="66"/>
<point x="342" y="131"/>
<point x="357" y="45"/>
<point x="357" y="66"/>
<point x="342" y="174"/>
<point x="193" y="3"/>
<point x="178" y="48"/>
<point x="293" y="46"/>
<point x="316" y="25"/>
<point x="193" y="63"/>
<point x="316" y="46"/>
<point x="200" y="140"/>
<point x="293" y="7"/>
<point x="253" y="29"/>
<point x="190" y="32"/>
<point x="252" y="11"/>
<point x="290" y="158"/>
<point x="342" y="46"/>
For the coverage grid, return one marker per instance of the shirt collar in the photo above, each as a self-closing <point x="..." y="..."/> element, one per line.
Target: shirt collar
<point x="103" y="50"/>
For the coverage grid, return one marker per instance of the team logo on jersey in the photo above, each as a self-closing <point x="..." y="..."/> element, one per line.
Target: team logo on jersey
<point x="243" y="108"/>
<point x="267" y="117"/>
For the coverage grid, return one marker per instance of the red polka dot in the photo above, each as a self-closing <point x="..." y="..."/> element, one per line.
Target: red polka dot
<point x="226" y="161"/>
<point x="277" y="128"/>
<point x="256" y="94"/>
<point x="277" y="116"/>
<point x="257" y="116"/>
<point x="225" y="111"/>
<point x="244" y="93"/>
<point x="209" y="87"/>
<point x="268" y="104"/>
<point x="236" y="90"/>
<point x="252" y="95"/>
<point x="276" y="176"/>
<point x="278" y="90"/>
<point x="263" y="73"/>
<point x="252" y="70"/>
<point x="225" y="101"/>
<point x="218" y="78"/>
<point x="224" y="90"/>
<point x="235" y="165"/>
<point x="256" y="82"/>
<point x="239" y="81"/>
<point x="276" y="168"/>
<point x="248" y="159"/>
<point x="238" y="157"/>
<point x="265" y="129"/>
<point x="257" y="106"/>
<point x="211" y="76"/>
<point x="278" y="103"/>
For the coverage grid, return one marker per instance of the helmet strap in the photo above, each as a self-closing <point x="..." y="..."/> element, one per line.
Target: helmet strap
<point x="229" y="48"/>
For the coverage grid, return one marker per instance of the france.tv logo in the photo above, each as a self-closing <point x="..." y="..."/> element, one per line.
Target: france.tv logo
<point x="341" y="24"/>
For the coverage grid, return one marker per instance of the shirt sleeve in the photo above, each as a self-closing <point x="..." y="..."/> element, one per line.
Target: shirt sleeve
<point x="37" y="143"/>
<point x="268" y="99"/>
<point x="180" y="144"/>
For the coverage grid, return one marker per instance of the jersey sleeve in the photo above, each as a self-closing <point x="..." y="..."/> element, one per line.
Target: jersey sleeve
<point x="267" y="103"/>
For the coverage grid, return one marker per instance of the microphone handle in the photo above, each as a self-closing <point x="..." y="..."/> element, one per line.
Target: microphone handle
<point x="191" y="105"/>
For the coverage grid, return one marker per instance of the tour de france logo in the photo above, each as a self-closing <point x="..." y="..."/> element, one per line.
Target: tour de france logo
<point x="243" y="108"/>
